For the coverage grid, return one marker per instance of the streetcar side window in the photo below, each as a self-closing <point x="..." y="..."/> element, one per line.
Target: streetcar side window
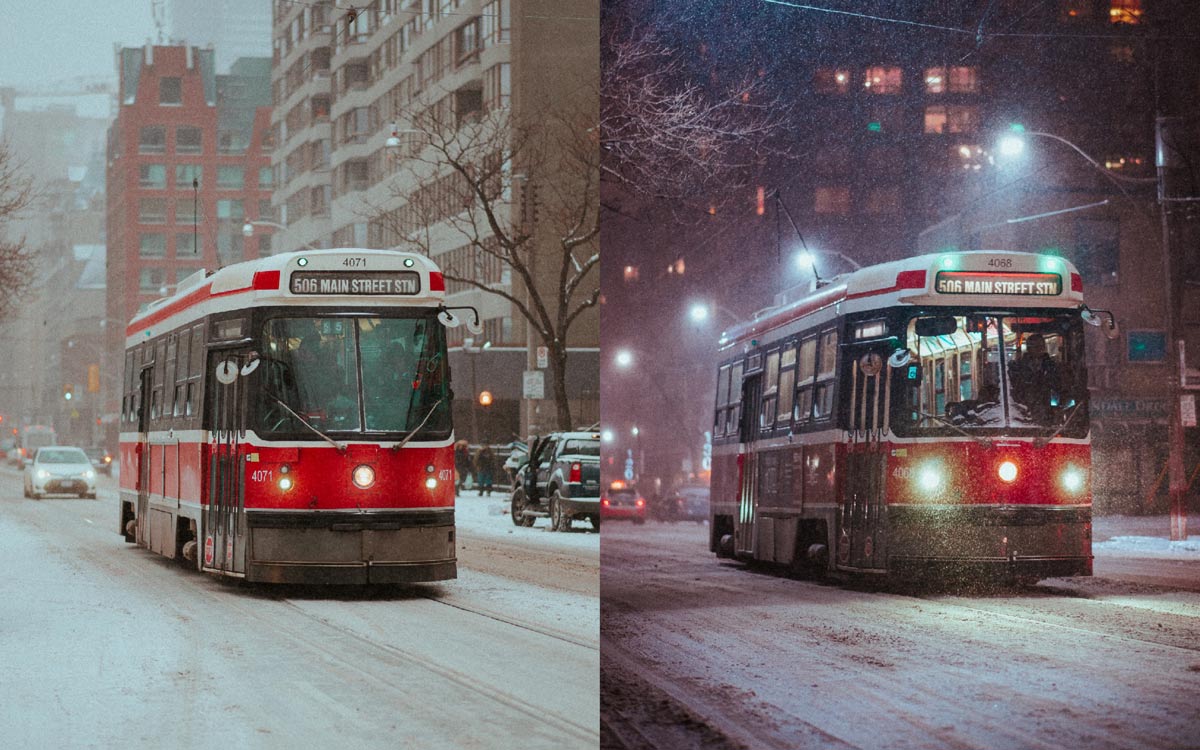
<point x="766" y="417"/>
<point x="735" y="399"/>
<point x="787" y="384"/>
<point x="823" y="398"/>
<point x="722" y="400"/>
<point x="805" y="377"/>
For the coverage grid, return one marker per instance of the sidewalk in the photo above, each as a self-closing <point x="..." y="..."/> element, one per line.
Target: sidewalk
<point x="1107" y="527"/>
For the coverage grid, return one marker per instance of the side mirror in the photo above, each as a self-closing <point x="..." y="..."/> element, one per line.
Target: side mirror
<point x="899" y="358"/>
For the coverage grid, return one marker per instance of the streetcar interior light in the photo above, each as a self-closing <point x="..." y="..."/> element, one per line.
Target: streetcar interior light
<point x="285" y="483"/>
<point x="408" y="262"/>
<point x="302" y="261"/>
<point x="1007" y="471"/>
<point x="431" y="483"/>
<point x="363" y="476"/>
<point x="872" y="330"/>
<point x="1072" y="479"/>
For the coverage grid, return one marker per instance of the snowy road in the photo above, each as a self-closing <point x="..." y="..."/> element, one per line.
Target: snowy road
<point x="105" y="645"/>
<point x="704" y="653"/>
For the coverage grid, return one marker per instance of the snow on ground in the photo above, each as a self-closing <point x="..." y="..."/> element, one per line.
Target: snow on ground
<point x="477" y="515"/>
<point x="1143" y="536"/>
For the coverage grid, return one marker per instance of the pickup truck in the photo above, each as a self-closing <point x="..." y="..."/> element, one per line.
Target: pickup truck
<point x="560" y="479"/>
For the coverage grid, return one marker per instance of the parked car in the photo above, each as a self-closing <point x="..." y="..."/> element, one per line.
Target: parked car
<point x="560" y="479"/>
<point x="692" y="503"/>
<point x="101" y="459"/>
<point x="622" y="502"/>
<point x="60" y="469"/>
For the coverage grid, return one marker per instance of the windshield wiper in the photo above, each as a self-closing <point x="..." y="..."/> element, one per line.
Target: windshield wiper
<point x="341" y="448"/>
<point x="413" y="434"/>
<point x="1042" y="442"/>
<point x="986" y="442"/>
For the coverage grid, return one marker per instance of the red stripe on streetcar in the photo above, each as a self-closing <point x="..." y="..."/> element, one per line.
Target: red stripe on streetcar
<point x="265" y="280"/>
<point x="437" y="283"/>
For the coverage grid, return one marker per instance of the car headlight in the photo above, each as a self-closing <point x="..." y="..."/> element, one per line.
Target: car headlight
<point x="43" y="474"/>
<point x="89" y="474"/>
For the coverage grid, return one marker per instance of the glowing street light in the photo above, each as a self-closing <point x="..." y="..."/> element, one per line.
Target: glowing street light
<point x="623" y="358"/>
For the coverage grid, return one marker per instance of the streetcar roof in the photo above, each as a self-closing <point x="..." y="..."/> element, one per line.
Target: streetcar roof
<point x="265" y="281"/>
<point x="911" y="281"/>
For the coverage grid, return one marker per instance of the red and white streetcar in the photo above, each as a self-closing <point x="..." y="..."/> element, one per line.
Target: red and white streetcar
<point x="288" y="420"/>
<point x="923" y="416"/>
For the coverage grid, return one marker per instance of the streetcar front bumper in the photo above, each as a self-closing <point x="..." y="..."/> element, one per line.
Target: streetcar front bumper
<point x="336" y="547"/>
<point x="1005" y="542"/>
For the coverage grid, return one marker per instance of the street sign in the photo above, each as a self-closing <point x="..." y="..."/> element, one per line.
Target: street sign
<point x="533" y="384"/>
<point x="543" y="357"/>
<point x="1187" y="409"/>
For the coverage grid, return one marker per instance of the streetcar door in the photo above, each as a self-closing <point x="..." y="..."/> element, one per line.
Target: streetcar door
<point x="142" y="452"/>
<point x="224" y="517"/>
<point x="864" y="512"/>
<point x="743" y="526"/>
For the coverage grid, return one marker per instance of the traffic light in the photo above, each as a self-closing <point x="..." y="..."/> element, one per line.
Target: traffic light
<point x="68" y="391"/>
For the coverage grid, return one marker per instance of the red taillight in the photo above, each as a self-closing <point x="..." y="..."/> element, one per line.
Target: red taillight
<point x="640" y="502"/>
<point x="1076" y="283"/>
<point x="437" y="282"/>
<point x="576" y="473"/>
<point x="604" y="501"/>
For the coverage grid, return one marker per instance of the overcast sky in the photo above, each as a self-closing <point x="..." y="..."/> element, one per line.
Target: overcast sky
<point x="49" y="40"/>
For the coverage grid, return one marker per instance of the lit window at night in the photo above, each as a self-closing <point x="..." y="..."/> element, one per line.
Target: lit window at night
<point x="883" y="200"/>
<point x="963" y="80"/>
<point x="831" y="81"/>
<point x="1125" y="11"/>
<point x="631" y="274"/>
<point x="951" y="119"/>
<point x="883" y="79"/>
<point x="935" y="80"/>
<point x="1070" y="10"/>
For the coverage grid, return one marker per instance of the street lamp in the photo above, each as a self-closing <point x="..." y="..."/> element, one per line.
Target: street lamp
<point x="1013" y="144"/>
<point x="623" y="359"/>
<point x="700" y="312"/>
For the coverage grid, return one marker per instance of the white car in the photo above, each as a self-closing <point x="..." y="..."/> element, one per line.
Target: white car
<point x="61" y="469"/>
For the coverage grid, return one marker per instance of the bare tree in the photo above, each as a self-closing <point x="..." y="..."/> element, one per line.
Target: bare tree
<point x="16" y="266"/>
<point x="510" y="208"/>
<point x="667" y="135"/>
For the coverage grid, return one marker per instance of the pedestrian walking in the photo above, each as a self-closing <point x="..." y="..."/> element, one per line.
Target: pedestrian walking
<point x="462" y="464"/>
<point x="485" y="469"/>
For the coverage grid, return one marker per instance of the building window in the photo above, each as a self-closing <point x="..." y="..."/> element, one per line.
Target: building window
<point x="153" y="245"/>
<point x="230" y="245"/>
<point x="265" y="209"/>
<point x="152" y="210"/>
<point x="188" y="245"/>
<point x="496" y="23"/>
<point x="1125" y="11"/>
<point x="630" y="274"/>
<point x="497" y="86"/>
<point x="185" y="210"/>
<point x="231" y="142"/>
<point x="964" y="79"/>
<point x="152" y="176"/>
<point x="231" y="177"/>
<point x="832" y="200"/>
<point x="188" y="140"/>
<point x="185" y="173"/>
<point x="466" y="42"/>
<point x="882" y="79"/>
<point x="152" y="280"/>
<point x="152" y="139"/>
<point x="935" y="80"/>
<point x="355" y="176"/>
<point x="264" y="245"/>
<point x="266" y="177"/>
<point x="230" y="209"/>
<point x="831" y="81"/>
<point x="951" y="119"/>
<point x="1074" y="10"/>
<point x="170" y="91"/>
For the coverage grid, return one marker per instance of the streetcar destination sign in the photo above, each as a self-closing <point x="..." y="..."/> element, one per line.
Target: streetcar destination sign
<point x="984" y="282"/>
<point x="355" y="282"/>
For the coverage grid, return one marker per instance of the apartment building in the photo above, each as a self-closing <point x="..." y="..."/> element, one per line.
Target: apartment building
<point x="356" y="94"/>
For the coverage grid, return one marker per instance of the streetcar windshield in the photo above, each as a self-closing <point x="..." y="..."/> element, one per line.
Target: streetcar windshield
<point x="981" y="372"/>
<point x="353" y="374"/>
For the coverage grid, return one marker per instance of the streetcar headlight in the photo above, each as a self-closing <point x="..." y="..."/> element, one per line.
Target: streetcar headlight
<point x="929" y="477"/>
<point x="1072" y="479"/>
<point x="1007" y="471"/>
<point x="285" y="483"/>
<point x="363" y="476"/>
<point x="431" y="483"/>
